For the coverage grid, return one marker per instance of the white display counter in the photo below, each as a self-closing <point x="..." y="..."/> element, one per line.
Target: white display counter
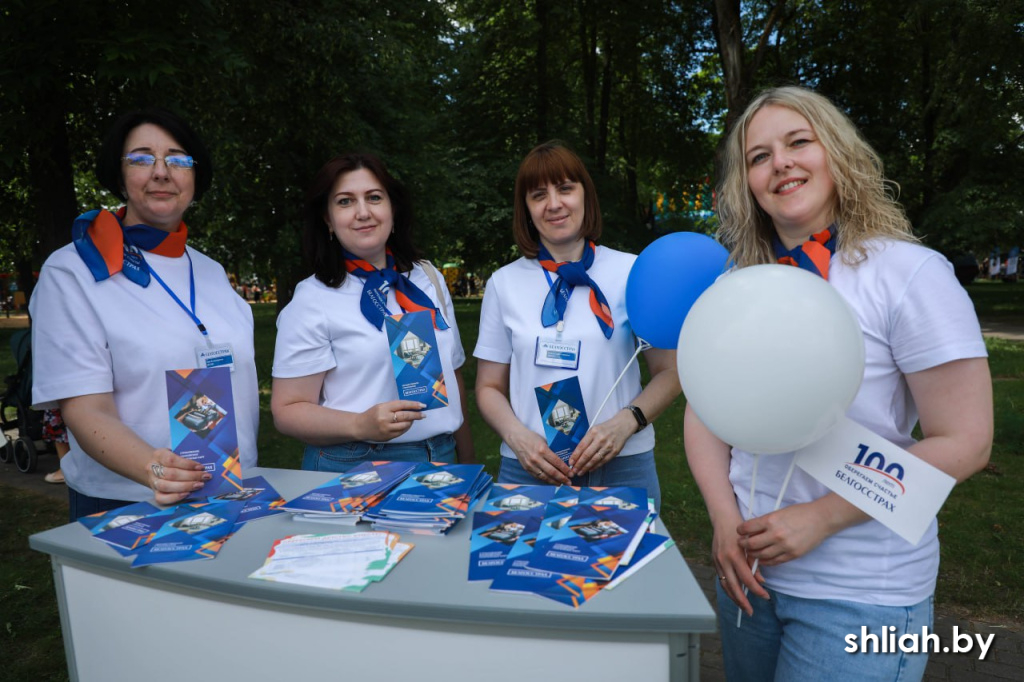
<point x="206" y="620"/>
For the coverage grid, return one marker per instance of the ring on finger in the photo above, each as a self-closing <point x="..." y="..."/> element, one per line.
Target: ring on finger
<point x="158" y="469"/>
<point x="394" y="417"/>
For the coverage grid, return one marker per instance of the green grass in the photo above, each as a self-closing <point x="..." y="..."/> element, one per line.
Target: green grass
<point x="981" y="526"/>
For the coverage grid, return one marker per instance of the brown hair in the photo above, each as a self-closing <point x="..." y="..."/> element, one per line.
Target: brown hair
<point x="325" y="253"/>
<point x="551" y="163"/>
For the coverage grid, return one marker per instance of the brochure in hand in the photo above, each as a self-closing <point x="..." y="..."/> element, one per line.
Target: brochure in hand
<point x="563" y="414"/>
<point x="201" y="412"/>
<point x="416" y="360"/>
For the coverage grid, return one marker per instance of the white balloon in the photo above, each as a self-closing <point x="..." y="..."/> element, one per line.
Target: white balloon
<point x="770" y="357"/>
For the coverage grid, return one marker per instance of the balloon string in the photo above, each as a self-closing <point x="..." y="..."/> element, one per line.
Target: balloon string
<point x="778" y="503"/>
<point x="642" y="346"/>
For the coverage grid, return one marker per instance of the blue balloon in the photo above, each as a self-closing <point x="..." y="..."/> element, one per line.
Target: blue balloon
<point x="665" y="281"/>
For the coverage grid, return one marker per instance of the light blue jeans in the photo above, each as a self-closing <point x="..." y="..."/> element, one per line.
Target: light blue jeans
<point x="791" y="639"/>
<point x="345" y="456"/>
<point x="636" y="471"/>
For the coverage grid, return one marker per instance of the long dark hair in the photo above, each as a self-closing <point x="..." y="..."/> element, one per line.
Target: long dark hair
<point x="325" y="253"/>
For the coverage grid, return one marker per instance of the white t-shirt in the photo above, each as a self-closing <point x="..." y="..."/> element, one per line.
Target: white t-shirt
<point x="510" y="326"/>
<point x="915" y="316"/>
<point x="117" y="337"/>
<point x="322" y="330"/>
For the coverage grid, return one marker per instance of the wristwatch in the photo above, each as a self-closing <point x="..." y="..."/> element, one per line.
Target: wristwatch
<point x="638" y="414"/>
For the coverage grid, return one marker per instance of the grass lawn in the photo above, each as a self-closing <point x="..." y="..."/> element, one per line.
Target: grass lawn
<point x="981" y="525"/>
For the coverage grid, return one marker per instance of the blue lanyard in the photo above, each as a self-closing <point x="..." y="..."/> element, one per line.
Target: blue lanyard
<point x="190" y="311"/>
<point x="561" y="322"/>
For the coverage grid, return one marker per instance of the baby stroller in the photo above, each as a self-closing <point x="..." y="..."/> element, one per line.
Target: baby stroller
<point x="16" y="411"/>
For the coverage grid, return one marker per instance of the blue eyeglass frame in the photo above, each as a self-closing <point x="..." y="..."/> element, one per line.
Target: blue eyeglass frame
<point x="180" y="161"/>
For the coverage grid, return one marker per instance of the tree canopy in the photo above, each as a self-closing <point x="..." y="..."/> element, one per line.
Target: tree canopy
<point x="453" y="93"/>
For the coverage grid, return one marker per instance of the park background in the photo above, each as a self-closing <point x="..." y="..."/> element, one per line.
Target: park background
<point x="452" y="94"/>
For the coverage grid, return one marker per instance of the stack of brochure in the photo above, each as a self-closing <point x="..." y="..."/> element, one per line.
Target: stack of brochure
<point x="194" y="530"/>
<point x="338" y="562"/>
<point x="346" y="498"/>
<point x="581" y="541"/>
<point x="432" y="499"/>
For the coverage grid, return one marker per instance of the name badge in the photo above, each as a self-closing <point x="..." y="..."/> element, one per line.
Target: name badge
<point x="558" y="353"/>
<point x="215" y="356"/>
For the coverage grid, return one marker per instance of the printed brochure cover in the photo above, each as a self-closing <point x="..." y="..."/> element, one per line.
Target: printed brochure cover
<point x="436" y="489"/>
<point x="353" y="491"/>
<point x="134" y="534"/>
<point x="591" y="543"/>
<point x="198" y="531"/>
<point x="259" y="499"/>
<point x="514" y="497"/>
<point x="416" y="359"/>
<point x="201" y="412"/>
<point x="494" y="534"/>
<point x="102" y="522"/>
<point x="563" y="414"/>
<point x="621" y="497"/>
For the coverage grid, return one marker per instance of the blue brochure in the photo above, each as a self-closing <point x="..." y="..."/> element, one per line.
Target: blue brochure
<point x="201" y="411"/>
<point x="353" y="491"/>
<point x="198" y="531"/>
<point x="494" y="535"/>
<point x="514" y="497"/>
<point x="416" y="359"/>
<point x="592" y="543"/>
<point x="563" y="414"/>
<point x="258" y="498"/>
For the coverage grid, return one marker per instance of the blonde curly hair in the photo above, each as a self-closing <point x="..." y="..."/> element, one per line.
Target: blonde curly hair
<point x="865" y="203"/>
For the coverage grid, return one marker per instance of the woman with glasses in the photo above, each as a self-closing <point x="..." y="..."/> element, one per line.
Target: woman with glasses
<point x="127" y="301"/>
<point x="371" y="312"/>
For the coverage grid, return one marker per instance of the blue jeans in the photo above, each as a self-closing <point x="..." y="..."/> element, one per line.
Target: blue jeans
<point x="80" y="505"/>
<point x="637" y="471"/>
<point x="791" y="639"/>
<point x="344" y="456"/>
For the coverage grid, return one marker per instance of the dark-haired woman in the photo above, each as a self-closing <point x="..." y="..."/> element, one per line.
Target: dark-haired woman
<point x="334" y="387"/>
<point x="567" y="290"/>
<point x="126" y="301"/>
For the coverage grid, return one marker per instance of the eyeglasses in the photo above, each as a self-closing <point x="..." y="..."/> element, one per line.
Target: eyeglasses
<point x="174" y="161"/>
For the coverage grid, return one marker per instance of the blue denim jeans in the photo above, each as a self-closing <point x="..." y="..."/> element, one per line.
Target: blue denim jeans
<point x="791" y="639"/>
<point x="80" y="505"/>
<point x="636" y="471"/>
<point x="344" y="456"/>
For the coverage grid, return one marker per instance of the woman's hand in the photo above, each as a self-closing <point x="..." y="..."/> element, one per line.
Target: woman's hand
<point x="602" y="443"/>
<point x="174" y="478"/>
<point x="733" y="565"/>
<point x="784" y="535"/>
<point x="385" y="421"/>
<point x="536" y="457"/>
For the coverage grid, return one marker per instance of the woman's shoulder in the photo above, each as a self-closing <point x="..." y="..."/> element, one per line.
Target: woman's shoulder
<point x="897" y="254"/>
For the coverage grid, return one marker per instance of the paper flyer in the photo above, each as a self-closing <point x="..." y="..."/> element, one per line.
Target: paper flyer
<point x="494" y="534"/>
<point x="259" y="499"/>
<point x="563" y="414"/>
<point x="197" y="531"/>
<point x="416" y="360"/>
<point x="201" y="411"/>
<point x="353" y="491"/>
<point x="514" y="497"/>
<point x="592" y="543"/>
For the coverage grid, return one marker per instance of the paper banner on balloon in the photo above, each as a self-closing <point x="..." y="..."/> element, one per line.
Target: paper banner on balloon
<point x="898" y="489"/>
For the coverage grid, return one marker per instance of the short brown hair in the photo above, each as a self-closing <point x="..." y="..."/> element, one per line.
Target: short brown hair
<point x="551" y="163"/>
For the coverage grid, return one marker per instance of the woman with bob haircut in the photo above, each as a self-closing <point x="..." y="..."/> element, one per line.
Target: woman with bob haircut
<point x="566" y="292"/>
<point x="334" y="388"/>
<point x="801" y="187"/>
<point x="126" y="301"/>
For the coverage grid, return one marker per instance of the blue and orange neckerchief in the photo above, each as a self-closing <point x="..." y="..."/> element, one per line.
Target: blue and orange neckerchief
<point x="570" y="275"/>
<point x="376" y="283"/>
<point x="108" y="247"/>
<point x="813" y="255"/>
